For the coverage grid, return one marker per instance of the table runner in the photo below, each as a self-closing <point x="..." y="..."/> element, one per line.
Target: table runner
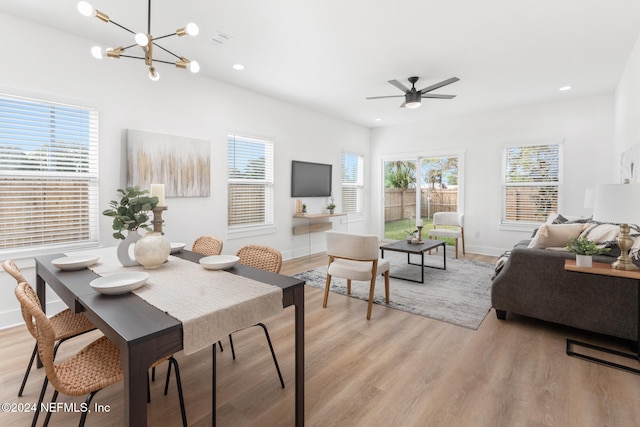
<point x="211" y="304"/>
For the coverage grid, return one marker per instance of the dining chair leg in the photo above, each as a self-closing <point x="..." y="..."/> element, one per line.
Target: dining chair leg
<point x="166" y="382"/>
<point x="386" y="285"/>
<point x="183" y="412"/>
<point x="53" y="400"/>
<point x="40" y="400"/>
<point x="273" y="354"/>
<point x="87" y="402"/>
<point x="26" y="374"/>
<point x="233" y="350"/>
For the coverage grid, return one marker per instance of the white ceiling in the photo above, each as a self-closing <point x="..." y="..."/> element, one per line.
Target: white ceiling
<point x="329" y="55"/>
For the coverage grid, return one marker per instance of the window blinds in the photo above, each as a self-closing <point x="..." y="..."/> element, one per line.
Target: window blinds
<point x="48" y="175"/>
<point x="352" y="182"/>
<point x="250" y="181"/>
<point x="531" y="182"/>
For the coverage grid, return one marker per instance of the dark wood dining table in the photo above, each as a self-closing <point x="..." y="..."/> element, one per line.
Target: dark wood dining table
<point x="145" y="334"/>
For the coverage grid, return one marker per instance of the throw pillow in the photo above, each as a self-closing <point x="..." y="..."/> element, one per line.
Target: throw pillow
<point x="555" y="235"/>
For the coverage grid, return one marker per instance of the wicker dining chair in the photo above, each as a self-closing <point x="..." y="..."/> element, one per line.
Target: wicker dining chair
<point x="263" y="258"/>
<point x="207" y="245"/>
<point x="90" y="370"/>
<point x="65" y="324"/>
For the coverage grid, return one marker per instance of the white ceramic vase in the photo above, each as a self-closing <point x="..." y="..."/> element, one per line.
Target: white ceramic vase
<point x="124" y="254"/>
<point x="152" y="250"/>
<point x="584" y="260"/>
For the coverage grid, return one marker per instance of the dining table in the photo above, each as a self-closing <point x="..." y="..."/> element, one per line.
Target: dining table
<point x="144" y="333"/>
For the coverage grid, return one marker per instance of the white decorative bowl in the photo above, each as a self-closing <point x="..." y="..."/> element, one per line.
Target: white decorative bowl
<point x="177" y="247"/>
<point x="219" y="262"/>
<point x="119" y="283"/>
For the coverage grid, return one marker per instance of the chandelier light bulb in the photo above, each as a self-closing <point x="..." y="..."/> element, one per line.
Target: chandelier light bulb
<point x="85" y="8"/>
<point x="142" y="39"/>
<point x="96" y="52"/>
<point x="153" y="74"/>
<point x="191" y="29"/>
<point x="194" y="67"/>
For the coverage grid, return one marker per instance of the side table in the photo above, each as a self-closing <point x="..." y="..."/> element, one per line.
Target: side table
<point x="606" y="270"/>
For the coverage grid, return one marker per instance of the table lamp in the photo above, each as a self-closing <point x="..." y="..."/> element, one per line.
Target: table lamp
<point x="620" y="204"/>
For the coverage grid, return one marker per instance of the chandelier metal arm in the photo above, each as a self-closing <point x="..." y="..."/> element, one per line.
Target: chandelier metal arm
<point x="164" y="37"/>
<point x="121" y="26"/>
<point x="143" y="58"/>
<point x="168" y="51"/>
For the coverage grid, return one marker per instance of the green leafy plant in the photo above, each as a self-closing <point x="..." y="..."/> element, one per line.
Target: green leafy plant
<point x="131" y="211"/>
<point x="584" y="246"/>
<point x="331" y="205"/>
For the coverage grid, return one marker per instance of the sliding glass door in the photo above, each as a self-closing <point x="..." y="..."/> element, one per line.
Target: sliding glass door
<point x="416" y="188"/>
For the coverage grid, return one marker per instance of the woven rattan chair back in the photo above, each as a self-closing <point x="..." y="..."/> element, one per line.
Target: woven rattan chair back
<point x="10" y="267"/>
<point x="261" y="257"/>
<point x="207" y="245"/>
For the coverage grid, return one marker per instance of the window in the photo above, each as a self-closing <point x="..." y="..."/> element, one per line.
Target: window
<point x="48" y="175"/>
<point x="250" y="181"/>
<point x="531" y="182"/>
<point x="352" y="182"/>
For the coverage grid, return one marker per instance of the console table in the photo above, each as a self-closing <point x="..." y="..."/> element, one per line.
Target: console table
<point x="606" y="270"/>
<point x="314" y="223"/>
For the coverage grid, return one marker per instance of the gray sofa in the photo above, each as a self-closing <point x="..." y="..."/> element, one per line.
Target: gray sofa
<point x="534" y="283"/>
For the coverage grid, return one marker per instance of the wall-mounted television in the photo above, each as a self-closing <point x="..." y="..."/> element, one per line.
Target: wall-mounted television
<point x="310" y="179"/>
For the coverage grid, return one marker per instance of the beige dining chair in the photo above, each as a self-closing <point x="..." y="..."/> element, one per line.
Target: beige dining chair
<point x="65" y="325"/>
<point x="207" y="245"/>
<point x="268" y="259"/>
<point x="448" y="225"/>
<point x="90" y="370"/>
<point x="355" y="257"/>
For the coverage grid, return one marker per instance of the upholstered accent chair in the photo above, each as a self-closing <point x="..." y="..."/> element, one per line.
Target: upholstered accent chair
<point x="355" y="257"/>
<point x="448" y="225"/>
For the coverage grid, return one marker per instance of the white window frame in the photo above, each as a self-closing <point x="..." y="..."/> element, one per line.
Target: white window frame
<point x="235" y="225"/>
<point x="349" y="184"/>
<point x="507" y="224"/>
<point x="47" y="205"/>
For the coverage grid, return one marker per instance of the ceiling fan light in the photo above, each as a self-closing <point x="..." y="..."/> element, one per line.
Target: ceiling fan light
<point x="413" y="104"/>
<point x="412" y="99"/>
<point x="142" y="39"/>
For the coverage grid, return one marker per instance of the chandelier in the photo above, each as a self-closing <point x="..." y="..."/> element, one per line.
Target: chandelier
<point x="145" y="41"/>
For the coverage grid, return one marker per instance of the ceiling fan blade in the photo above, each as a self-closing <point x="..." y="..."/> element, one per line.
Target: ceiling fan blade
<point x="390" y="96"/>
<point x="403" y="104"/>
<point x="433" y="95"/>
<point x="399" y="85"/>
<point x="439" y="85"/>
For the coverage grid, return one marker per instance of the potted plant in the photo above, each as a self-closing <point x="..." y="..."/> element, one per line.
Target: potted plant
<point x="304" y="208"/>
<point x="130" y="213"/>
<point x="331" y="206"/>
<point x="584" y="250"/>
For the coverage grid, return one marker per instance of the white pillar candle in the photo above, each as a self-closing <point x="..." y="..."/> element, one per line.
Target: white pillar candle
<point x="157" y="190"/>
<point x="419" y="222"/>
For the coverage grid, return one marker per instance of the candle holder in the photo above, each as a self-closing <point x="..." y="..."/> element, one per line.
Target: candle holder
<point x="157" y="218"/>
<point x="420" y="233"/>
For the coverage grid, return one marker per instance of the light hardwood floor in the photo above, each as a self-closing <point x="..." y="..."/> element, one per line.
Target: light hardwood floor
<point x="397" y="369"/>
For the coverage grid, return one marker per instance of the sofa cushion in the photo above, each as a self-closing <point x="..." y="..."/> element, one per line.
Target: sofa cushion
<point x="555" y="235"/>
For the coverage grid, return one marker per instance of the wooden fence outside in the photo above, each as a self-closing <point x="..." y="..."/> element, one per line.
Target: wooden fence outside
<point x="400" y="203"/>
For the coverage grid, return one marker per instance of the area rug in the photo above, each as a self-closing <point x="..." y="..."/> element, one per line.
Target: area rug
<point x="460" y="295"/>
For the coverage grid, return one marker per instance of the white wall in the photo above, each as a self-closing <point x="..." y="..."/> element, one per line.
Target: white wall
<point x="627" y="109"/>
<point x="56" y="66"/>
<point x="585" y="124"/>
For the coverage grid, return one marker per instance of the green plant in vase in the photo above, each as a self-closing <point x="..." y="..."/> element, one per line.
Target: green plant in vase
<point x="584" y="246"/>
<point x="131" y="212"/>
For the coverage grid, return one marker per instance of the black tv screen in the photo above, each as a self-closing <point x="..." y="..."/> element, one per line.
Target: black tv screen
<point x="310" y="179"/>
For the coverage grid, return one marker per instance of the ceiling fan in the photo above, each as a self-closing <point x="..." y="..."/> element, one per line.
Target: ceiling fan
<point x="413" y="96"/>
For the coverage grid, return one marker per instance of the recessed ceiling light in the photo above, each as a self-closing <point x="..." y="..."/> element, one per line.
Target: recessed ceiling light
<point x="378" y="120"/>
<point x="238" y="67"/>
<point x="565" y="88"/>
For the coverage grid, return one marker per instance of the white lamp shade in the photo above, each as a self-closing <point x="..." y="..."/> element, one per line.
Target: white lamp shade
<point x="617" y="203"/>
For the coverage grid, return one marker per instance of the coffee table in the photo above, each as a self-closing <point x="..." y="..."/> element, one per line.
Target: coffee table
<point x="417" y="249"/>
